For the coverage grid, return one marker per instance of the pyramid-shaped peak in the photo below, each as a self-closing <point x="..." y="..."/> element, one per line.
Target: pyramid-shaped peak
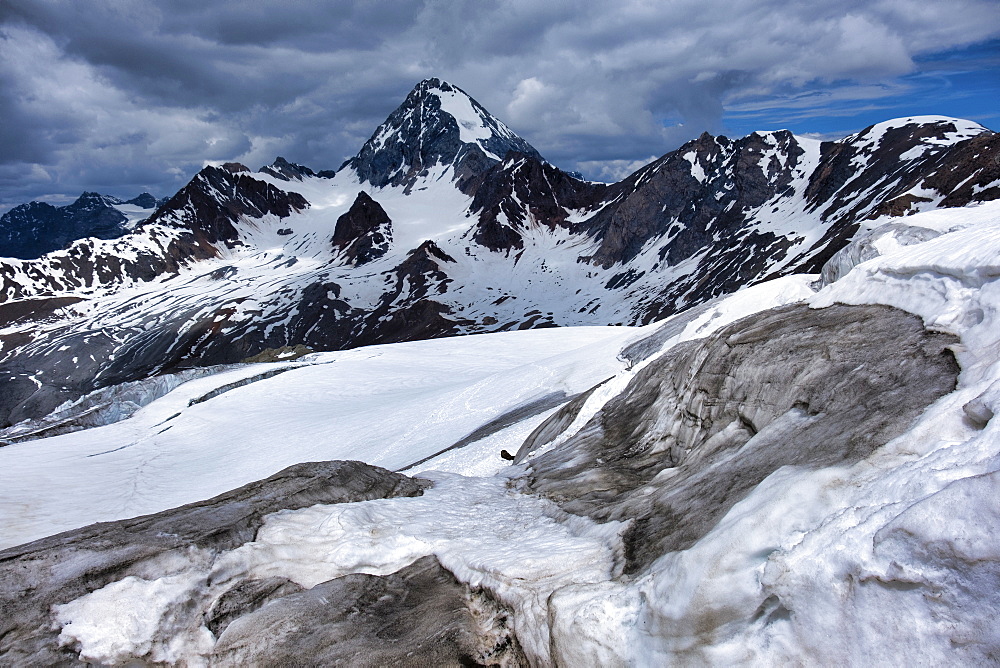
<point x="476" y="125"/>
<point x="432" y="84"/>
<point x="437" y="124"/>
<point x="285" y="170"/>
<point x="89" y="200"/>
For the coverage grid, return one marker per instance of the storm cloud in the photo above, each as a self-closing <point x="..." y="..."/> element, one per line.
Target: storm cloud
<point x="129" y="95"/>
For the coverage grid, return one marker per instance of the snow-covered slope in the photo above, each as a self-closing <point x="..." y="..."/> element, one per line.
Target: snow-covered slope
<point x="391" y="405"/>
<point x="796" y="473"/>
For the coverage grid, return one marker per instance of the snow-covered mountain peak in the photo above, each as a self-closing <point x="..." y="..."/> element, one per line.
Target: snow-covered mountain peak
<point x="941" y="128"/>
<point x="475" y="124"/>
<point x="284" y="170"/>
<point x="437" y="124"/>
<point x="910" y="137"/>
<point x="92" y="200"/>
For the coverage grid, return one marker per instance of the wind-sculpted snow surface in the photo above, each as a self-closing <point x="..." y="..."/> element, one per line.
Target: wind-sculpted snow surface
<point x="890" y="559"/>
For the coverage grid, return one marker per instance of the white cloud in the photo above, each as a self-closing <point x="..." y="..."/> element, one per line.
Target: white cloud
<point x="612" y="171"/>
<point x="129" y="92"/>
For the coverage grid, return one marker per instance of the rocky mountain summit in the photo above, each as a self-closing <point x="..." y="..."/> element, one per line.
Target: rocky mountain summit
<point x="438" y="125"/>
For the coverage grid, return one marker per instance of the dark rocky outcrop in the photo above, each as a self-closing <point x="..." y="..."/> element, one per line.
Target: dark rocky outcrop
<point x="409" y="311"/>
<point x="55" y="570"/>
<point x="524" y="190"/>
<point x="216" y="198"/>
<point x="862" y="161"/>
<point x="31" y="230"/>
<point x="286" y="171"/>
<point x="147" y="201"/>
<point x="863" y="177"/>
<point x="705" y="204"/>
<point x="787" y="387"/>
<point x="364" y="233"/>
<point x="966" y="173"/>
<point x="418" y="616"/>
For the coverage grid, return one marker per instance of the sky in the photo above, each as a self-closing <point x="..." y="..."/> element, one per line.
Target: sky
<point x="126" y="96"/>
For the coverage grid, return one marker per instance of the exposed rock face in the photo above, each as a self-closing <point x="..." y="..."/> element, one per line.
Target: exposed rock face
<point x="364" y="233"/>
<point x="963" y="174"/>
<point x="421" y="133"/>
<point x="418" y="616"/>
<point x="55" y="570"/>
<point x="862" y="161"/>
<point x="409" y="311"/>
<point x="522" y="191"/>
<point x="872" y="174"/>
<point x="30" y="230"/>
<point x="147" y="201"/>
<point x="215" y="199"/>
<point x="787" y="387"/>
<point x="286" y="171"/>
<point x="703" y="190"/>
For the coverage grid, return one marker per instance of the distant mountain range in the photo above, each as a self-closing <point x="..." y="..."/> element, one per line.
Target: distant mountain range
<point x="31" y="230"/>
<point x="446" y="222"/>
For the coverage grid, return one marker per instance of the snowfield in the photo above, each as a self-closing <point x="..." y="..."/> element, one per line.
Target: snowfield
<point x="893" y="559"/>
<point x="389" y="405"/>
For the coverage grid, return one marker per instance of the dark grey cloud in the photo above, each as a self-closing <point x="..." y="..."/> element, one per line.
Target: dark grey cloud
<point x="137" y="94"/>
